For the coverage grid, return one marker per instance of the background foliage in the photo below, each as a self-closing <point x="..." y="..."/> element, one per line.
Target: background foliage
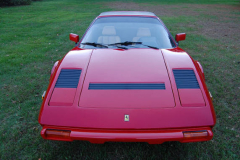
<point x="15" y="2"/>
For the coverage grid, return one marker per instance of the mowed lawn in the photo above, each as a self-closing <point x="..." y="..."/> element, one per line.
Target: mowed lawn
<point x="33" y="37"/>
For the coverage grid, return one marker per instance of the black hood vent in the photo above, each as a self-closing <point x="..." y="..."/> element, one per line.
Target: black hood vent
<point x="185" y="79"/>
<point x="68" y="78"/>
<point x="126" y="86"/>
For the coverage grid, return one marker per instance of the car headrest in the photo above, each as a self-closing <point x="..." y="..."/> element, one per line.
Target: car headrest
<point x="143" y="32"/>
<point x="109" y="30"/>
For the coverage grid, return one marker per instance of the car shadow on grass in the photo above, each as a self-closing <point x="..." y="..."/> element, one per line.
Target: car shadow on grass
<point x="122" y="150"/>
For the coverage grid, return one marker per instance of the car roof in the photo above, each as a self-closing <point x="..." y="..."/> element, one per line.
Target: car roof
<point x="123" y="13"/>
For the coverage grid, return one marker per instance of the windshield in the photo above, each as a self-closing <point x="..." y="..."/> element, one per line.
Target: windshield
<point x="116" y="30"/>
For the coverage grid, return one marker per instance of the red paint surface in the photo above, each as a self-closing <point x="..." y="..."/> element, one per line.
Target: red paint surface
<point x="67" y="96"/>
<point x="154" y="116"/>
<point x="113" y="66"/>
<point x="74" y="37"/>
<point x="180" y="37"/>
<point x="199" y="67"/>
<point x="149" y="136"/>
<point x="191" y="97"/>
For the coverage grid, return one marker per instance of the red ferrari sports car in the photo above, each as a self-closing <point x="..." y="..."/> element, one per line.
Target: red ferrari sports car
<point x="127" y="80"/>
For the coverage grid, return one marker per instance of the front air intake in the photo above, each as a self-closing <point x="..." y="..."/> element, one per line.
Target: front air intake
<point x="65" y="88"/>
<point x="185" y="79"/>
<point x="126" y="86"/>
<point x="68" y="78"/>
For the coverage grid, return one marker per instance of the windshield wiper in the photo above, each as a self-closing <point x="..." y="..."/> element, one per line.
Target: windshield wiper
<point x="95" y="44"/>
<point x="150" y="46"/>
<point x="127" y="43"/>
<point x="121" y="43"/>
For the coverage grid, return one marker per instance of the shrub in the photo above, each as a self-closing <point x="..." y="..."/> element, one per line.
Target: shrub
<point x="14" y="2"/>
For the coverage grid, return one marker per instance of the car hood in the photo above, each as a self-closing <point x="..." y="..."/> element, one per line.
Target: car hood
<point x="112" y="83"/>
<point x="134" y="78"/>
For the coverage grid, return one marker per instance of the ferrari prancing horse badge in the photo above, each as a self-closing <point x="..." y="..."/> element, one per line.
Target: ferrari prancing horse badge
<point x="126" y="118"/>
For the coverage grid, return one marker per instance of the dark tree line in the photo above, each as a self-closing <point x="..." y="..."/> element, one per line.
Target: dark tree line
<point x="15" y="2"/>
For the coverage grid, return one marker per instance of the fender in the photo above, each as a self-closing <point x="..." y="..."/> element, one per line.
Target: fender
<point x="53" y="69"/>
<point x="199" y="66"/>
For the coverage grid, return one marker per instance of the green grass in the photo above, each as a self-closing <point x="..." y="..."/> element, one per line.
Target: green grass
<point x="33" y="37"/>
